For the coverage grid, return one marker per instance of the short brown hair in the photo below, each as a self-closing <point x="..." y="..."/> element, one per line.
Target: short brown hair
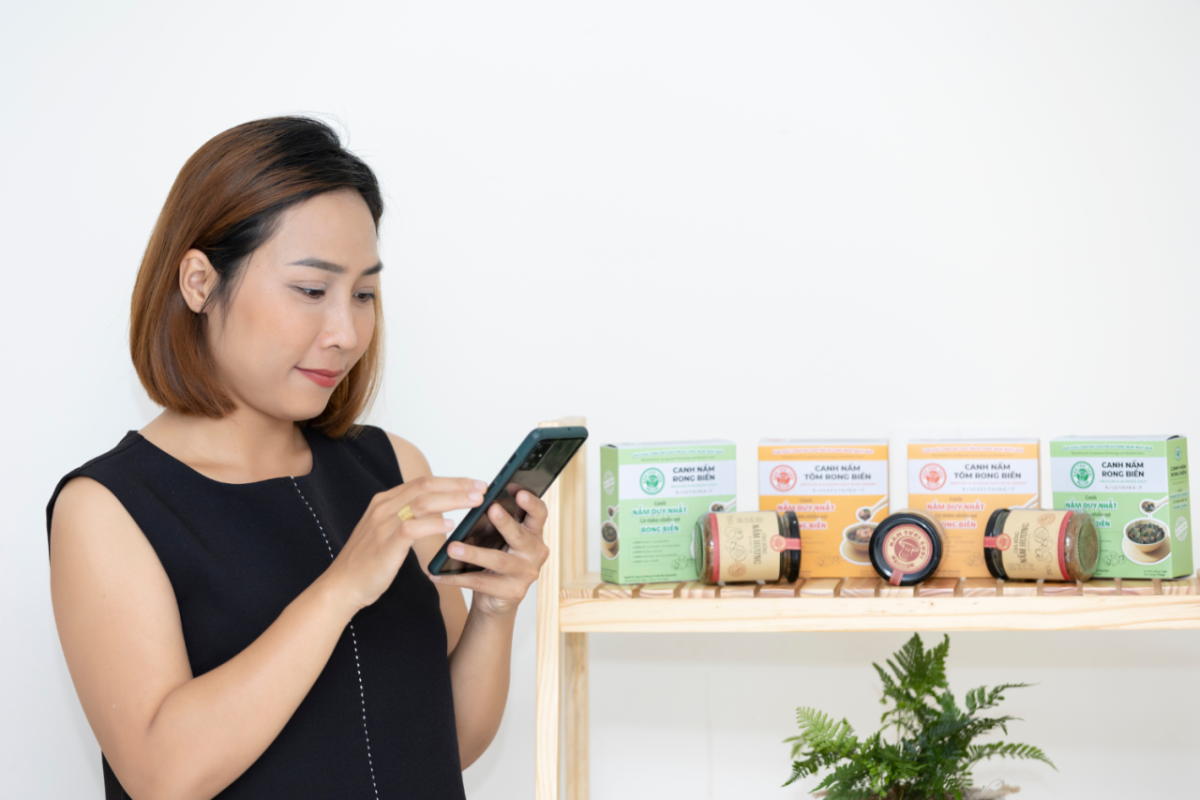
<point x="226" y="202"/>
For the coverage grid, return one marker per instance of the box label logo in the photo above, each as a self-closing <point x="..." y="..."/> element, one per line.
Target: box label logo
<point x="933" y="477"/>
<point x="783" y="477"/>
<point x="1082" y="474"/>
<point x="653" y="481"/>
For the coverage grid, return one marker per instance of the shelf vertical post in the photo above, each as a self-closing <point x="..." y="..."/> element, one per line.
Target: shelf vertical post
<point x="549" y="659"/>
<point x="566" y="503"/>
<point x="575" y="715"/>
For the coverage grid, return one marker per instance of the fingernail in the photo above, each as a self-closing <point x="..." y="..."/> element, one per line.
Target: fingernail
<point x="456" y="550"/>
<point x="480" y="485"/>
<point x="474" y="497"/>
<point x="448" y="523"/>
<point x="435" y="578"/>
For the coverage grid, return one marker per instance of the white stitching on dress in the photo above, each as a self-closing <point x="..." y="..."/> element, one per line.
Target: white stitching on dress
<point x="353" y="640"/>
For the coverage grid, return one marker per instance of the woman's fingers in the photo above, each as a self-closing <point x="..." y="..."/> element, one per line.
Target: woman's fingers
<point x="497" y="561"/>
<point x="535" y="509"/>
<point x="501" y="587"/>
<point x="432" y="484"/>
<point x="425" y="505"/>
<point x="512" y="531"/>
<point x="413" y="529"/>
<point x="521" y="541"/>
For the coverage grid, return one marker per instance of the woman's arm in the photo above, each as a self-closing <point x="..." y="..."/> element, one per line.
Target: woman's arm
<point x="169" y="734"/>
<point x="479" y="664"/>
<point x="479" y="667"/>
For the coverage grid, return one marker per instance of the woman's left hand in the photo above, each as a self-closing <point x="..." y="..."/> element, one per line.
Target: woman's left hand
<point x="507" y="574"/>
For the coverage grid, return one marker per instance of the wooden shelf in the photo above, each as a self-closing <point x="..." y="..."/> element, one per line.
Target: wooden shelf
<point x="573" y="603"/>
<point x="587" y="605"/>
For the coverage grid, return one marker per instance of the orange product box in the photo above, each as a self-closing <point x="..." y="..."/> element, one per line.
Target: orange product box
<point x="961" y="482"/>
<point x="839" y="491"/>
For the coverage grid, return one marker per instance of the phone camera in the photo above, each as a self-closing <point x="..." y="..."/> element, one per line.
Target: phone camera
<point x="537" y="455"/>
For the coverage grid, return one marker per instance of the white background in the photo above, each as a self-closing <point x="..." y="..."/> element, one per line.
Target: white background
<point x="790" y="219"/>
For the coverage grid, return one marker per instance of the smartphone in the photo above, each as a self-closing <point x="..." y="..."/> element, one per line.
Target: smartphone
<point x="533" y="467"/>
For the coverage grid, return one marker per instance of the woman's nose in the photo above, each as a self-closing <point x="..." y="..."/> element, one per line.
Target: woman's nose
<point x="339" y="326"/>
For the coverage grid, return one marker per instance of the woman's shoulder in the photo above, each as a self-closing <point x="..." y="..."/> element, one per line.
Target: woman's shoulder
<point x="83" y="490"/>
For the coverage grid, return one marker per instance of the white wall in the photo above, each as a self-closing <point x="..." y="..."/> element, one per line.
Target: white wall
<point x="762" y="218"/>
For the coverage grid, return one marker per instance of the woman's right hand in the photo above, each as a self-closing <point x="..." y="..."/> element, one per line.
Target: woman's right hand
<point x="377" y="547"/>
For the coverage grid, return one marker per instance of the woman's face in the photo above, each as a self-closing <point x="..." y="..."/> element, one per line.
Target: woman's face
<point x="303" y="306"/>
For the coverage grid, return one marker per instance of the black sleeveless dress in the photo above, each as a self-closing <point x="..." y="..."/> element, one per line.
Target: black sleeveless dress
<point x="379" y="721"/>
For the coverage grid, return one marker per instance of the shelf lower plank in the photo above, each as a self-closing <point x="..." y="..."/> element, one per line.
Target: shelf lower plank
<point x="1100" y="612"/>
<point x="826" y="605"/>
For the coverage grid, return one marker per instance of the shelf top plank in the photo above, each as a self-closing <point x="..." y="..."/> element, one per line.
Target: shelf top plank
<point x="831" y="604"/>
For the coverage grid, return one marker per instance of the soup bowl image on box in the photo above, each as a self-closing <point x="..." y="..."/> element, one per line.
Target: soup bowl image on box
<point x="651" y="495"/>
<point x="839" y="491"/>
<point x="960" y="482"/>
<point x="1136" y="490"/>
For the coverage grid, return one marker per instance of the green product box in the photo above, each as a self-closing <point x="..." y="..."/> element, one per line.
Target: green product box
<point x="1136" y="488"/>
<point x="651" y="495"/>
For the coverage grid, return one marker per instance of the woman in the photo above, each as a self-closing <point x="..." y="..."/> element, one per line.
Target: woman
<point x="241" y="587"/>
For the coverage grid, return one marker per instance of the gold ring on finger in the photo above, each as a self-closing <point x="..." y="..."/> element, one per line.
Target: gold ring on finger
<point x="406" y="513"/>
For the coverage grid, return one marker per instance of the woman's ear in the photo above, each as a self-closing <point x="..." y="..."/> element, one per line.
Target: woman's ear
<point x="196" y="279"/>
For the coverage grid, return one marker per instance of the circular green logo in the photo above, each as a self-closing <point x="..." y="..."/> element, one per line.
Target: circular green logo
<point x="1082" y="474"/>
<point x="1178" y="453"/>
<point x="653" y="481"/>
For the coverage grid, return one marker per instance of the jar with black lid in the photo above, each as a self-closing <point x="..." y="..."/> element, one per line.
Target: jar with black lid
<point x="745" y="547"/>
<point x="906" y="548"/>
<point x="1031" y="543"/>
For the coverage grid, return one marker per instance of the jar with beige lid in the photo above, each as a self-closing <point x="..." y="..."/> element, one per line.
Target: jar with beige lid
<point x="1032" y="544"/>
<point x="747" y="547"/>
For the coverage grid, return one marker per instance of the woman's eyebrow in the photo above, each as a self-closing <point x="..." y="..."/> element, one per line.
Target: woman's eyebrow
<point x="329" y="266"/>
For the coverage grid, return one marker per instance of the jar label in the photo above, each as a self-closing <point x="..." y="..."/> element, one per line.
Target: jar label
<point x="1032" y="544"/>
<point x="742" y="548"/>
<point x="906" y="549"/>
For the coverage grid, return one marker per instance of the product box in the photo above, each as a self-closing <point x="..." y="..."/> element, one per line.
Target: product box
<point x="839" y="491"/>
<point x="1136" y="488"/>
<point x="651" y="495"/>
<point x="960" y="482"/>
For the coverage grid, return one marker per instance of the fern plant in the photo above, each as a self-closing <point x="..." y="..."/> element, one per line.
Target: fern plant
<point x="932" y="753"/>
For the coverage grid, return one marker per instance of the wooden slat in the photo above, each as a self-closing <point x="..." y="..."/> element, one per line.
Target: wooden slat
<point x="859" y="587"/>
<point x="1179" y="587"/>
<point x="743" y="590"/>
<point x="617" y="591"/>
<point x="1059" y="589"/>
<point x="1018" y="588"/>
<point x="579" y="590"/>
<point x="887" y="590"/>
<point x="659" y="590"/>
<point x="695" y="590"/>
<point x="980" y="587"/>
<point x="1100" y="588"/>
<point x="820" y="587"/>
<point x="938" y="587"/>
<point x="1130" y="586"/>
<point x="781" y="589"/>
<point x="575" y="716"/>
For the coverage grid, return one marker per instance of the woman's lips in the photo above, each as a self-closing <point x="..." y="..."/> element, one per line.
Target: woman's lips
<point x="322" y="377"/>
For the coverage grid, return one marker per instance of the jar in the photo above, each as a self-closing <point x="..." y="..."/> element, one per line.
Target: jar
<point x="747" y="547"/>
<point x="906" y="548"/>
<point x="1031" y="543"/>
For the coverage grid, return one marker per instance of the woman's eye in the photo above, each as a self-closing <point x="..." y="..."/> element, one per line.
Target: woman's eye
<point x="365" y="297"/>
<point x="312" y="292"/>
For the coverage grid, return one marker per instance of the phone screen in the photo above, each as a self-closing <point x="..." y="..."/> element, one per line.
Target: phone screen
<point x="535" y="475"/>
